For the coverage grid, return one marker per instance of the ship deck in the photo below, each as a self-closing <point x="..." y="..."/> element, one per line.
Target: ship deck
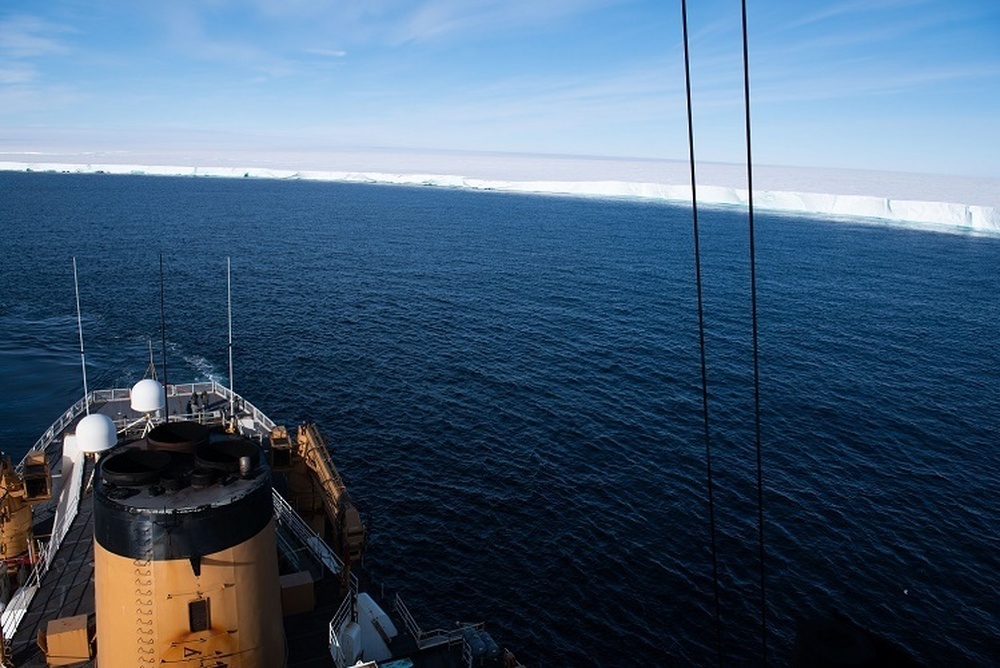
<point x="67" y="588"/>
<point x="66" y="591"/>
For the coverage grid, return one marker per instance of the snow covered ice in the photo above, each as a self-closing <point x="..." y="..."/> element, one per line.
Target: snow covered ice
<point x="939" y="202"/>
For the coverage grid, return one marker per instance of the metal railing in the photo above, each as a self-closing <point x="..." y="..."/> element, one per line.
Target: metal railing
<point x="338" y="622"/>
<point x="242" y="404"/>
<point x="124" y="394"/>
<point x="18" y="606"/>
<point x="287" y="517"/>
<point x="66" y="509"/>
<point x="408" y="621"/>
<point x="434" y="637"/>
<point x="57" y="427"/>
<point x="68" y="506"/>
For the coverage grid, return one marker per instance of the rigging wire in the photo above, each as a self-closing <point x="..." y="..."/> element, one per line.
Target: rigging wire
<point x="756" y="364"/>
<point x="701" y="337"/>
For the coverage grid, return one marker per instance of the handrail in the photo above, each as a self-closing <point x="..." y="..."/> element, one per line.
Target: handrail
<point x="284" y="514"/>
<point x="434" y="637"/>
<point x="408" y="621"/>
<point x="18" y="605"/>
<point x="312" y="448"/>
<point x="339" y="619"/>
<point x="66" y="509"/>
<point x="57" y="427"/>
<point x="124" y="393"/>
<point x="15" y="610"/>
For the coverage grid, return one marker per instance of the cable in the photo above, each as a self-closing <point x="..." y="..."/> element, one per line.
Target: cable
<point x="701" y="337"/>
<point x="756" y="363"/>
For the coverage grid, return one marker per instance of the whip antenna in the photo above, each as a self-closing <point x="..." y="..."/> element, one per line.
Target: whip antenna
<point x="163" y="342"/>
<point x="79" y="327"/>
<point x="229" y="315"/>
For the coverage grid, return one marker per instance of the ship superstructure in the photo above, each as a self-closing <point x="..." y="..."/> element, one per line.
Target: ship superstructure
<point x="181" y="526"/>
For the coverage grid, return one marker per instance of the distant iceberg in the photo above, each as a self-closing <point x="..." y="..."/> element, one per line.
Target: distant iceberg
<point x="715" y="188"/>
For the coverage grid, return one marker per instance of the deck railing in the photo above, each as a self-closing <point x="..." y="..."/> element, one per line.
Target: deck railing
<point x="319" y="549"/>
<point x="340" y="618"/>
<point x="57" y="427"/>
<point x="95" y="397"/>
<point x="434" y="637"/>
<point x="66" y="509"/>
<point x="69" y="498"/>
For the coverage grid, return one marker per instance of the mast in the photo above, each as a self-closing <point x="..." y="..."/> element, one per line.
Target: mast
<point x="163" y="342"/>
<point x="229" y="316"/>
<point x="79" y="327"/>
<point x="151" y="369"/>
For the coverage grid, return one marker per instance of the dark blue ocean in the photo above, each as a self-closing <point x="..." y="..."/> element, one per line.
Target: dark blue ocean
<point x="511" y="385"/>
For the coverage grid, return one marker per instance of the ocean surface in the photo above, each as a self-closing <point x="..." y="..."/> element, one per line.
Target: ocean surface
<point x="511" y="386"/>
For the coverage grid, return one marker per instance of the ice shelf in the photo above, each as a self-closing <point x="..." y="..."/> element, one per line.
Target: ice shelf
<point x="926" y="214"/>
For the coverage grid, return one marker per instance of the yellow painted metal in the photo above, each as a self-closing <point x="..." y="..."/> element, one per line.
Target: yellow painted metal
<point x="16" y="499"/>
<point x="144" y="608"/>
<point x="341" y="510"/>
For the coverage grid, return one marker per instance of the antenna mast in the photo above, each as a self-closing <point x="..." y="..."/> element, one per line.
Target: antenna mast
<point x="163" y="341"/>
<point x="151" y="370"/>
<point x="79" y="327"/>
<point x="229" y="315"/>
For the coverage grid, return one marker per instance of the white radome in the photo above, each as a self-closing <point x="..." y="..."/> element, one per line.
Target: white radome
<point x="147" y="396"/>
<point x="96" y="433"/>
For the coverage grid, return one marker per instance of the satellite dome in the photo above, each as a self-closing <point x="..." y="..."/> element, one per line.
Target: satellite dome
<point x="96" y="433"/>
<point x="147" y="396"/>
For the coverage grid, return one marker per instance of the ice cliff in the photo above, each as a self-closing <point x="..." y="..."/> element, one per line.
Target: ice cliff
<point x="940" y="215"/>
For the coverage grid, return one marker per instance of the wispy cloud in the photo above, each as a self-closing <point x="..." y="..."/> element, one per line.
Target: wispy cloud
<point x="852" y="7"/>
<point x="194" y="35"/>
<point x="23" y="36"/>
<point x="327" y="53"/>
<point x="872" y="82"/>
<point x="25" y="41"/>
<point x="906" y="51"/>
<point x="17" y="73"/>
<point x="516" y="110"/>
<point x="439" y="19"/>
<point x="904" y="31"/>
<point x="19" y="99"/>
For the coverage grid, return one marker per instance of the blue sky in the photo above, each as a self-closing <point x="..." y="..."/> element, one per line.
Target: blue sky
<point x="911" y="85"/>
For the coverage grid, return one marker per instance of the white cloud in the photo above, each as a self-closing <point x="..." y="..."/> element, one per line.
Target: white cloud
<point x="327" y="53"/>
<point x="438" y="19"/>
<point x="24" y="39"/>
<point x="30" y="37"/>
<point x="19" y="99"/>
<point x="853" y="7"/>
<point x="16" y="73"/>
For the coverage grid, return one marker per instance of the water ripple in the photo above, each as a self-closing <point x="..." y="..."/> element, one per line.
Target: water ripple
<point x="511" y="387"/>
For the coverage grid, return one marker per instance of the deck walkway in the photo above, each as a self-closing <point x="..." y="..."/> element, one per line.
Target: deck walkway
<point x="66" y="590"/>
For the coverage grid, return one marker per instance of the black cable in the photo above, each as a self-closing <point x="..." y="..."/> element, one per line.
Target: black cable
<point x="701" y="337"/>
<point x="756" y="364"/>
